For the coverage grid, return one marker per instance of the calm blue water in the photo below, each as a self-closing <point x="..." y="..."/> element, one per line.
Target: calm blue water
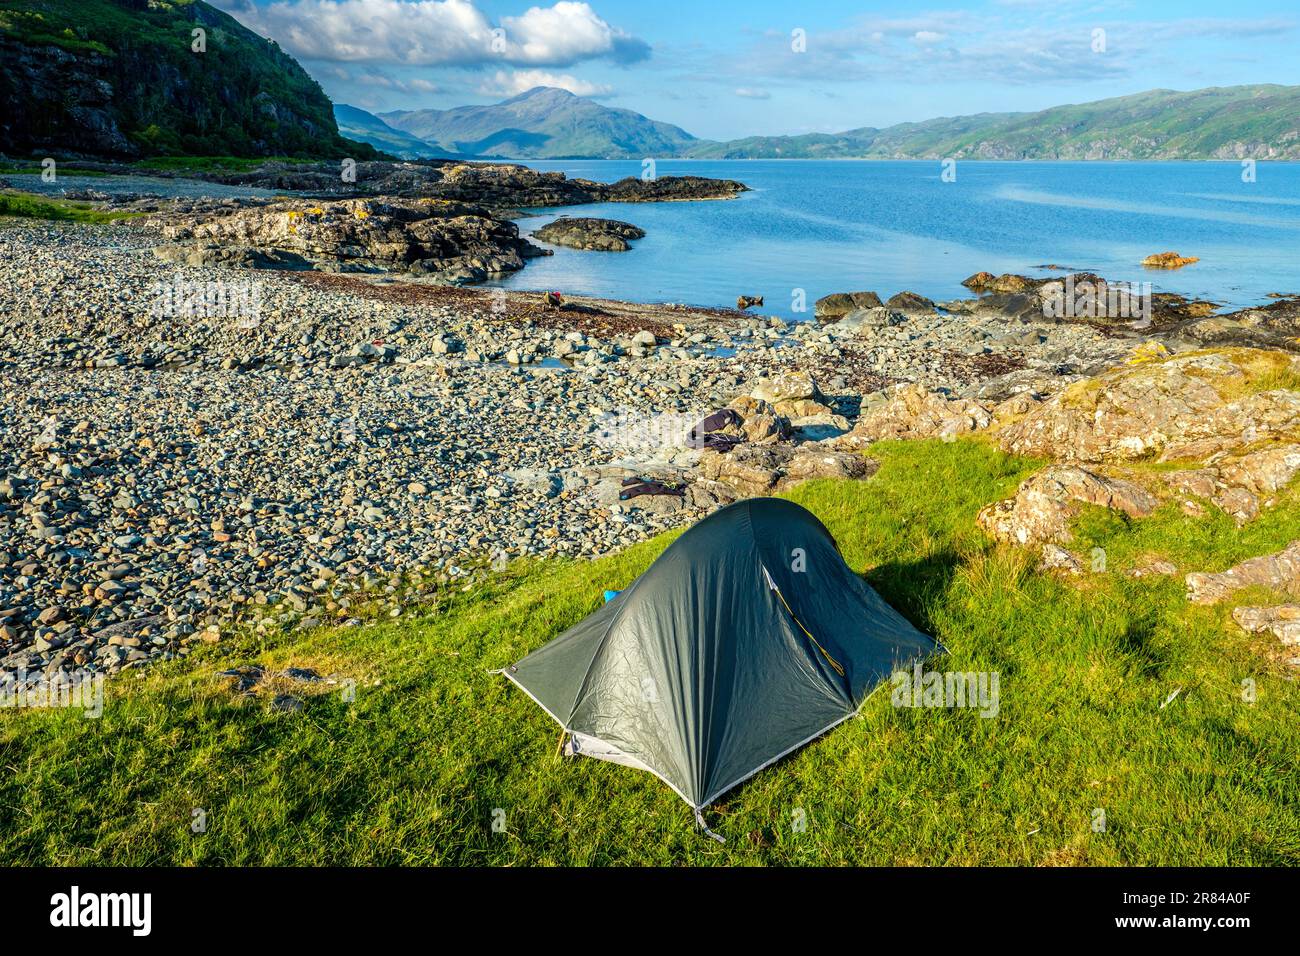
<point x="833" y="226"/>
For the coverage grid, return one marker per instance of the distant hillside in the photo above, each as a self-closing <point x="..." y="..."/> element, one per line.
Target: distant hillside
<point x="1261" y="122"/>
<point x="119" y="78"/>
<point x="543" y="123"/>
<point x="1236" y="122"/>
<point x="357" y="124"/>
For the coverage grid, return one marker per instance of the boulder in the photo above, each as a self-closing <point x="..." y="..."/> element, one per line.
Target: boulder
<point x="1279" y="572"/>
<point x="1282" y="621"/>
<point x="910" y="411"/>
<point x="1058" y="559"/>
<point x="819" y="427"/>
<point x="1168" y="260"/>
<point x="1007" y="282"/>
<point x="754" y="471"/>
<point x="792" y="394"/>
<point x="760" y="423"/>
<point x="909" y="303"/>
<point x="877" y="318"/>
<point x="830" y="308"/>
<point x="980" y="281"/>
<point x="1044" y="505"/>
<point x="1021" y="306"/>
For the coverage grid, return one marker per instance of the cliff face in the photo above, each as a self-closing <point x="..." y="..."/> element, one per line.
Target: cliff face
<point x="119" y="78"/>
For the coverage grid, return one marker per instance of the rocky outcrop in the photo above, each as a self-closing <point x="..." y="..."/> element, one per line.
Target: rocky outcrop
<point x="1218" y="409"/>
<point x="1081" y="297"/>
<point x="663" y="189"/>
<point x="910" y="411"/>
<point x="1168" y="260"/>
<point x="757" y="470"/>
<point x="601" y="235"/>
<point x="1007" y="282"/>
<point x="1240" y="485"/>
<point x="500" y="186"/>
<point x="1279" y="572"/>
<point x="1276" y="325"/>
<point x="1190" y="406"/>
<point x="1044" y="505"/>
<point x="452" y="241"/>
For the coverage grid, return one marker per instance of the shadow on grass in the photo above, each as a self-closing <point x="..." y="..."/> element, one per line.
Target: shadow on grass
<point x="913" y="587"/>
<point x="1141" y="641"/>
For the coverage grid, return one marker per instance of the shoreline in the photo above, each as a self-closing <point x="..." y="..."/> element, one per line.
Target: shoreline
<point x="364" y="428"/>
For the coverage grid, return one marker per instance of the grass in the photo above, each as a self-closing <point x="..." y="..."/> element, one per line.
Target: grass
<point x="29" y="168"/>
<point x="413" y="771"/>
<point x="31" y="206"/>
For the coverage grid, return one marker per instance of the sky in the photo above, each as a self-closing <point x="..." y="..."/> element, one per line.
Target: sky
<point x="722" y="69"/>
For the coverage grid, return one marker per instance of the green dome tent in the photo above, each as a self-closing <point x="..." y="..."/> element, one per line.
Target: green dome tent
<point x="746" y="639"/>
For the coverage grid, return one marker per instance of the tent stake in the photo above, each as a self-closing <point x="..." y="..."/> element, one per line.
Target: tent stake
<point x="699" y="821"/>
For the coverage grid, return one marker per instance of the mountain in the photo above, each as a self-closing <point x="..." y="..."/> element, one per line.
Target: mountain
<point x="120" y="78"/>
<point x="1261" y="122"/>
<point x="543" y="123"/>
<point x="1235" y="122"/>
<point x="357" y="124"/>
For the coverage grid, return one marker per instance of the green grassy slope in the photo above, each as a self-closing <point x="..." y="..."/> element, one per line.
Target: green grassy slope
<point x="243" y="96"/>
<point x="31" y="206"/>
<point x="1261" y="121"/>
<point x="413" y="770"/>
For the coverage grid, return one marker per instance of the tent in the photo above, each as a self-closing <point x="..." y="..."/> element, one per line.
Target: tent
<point x="745" y="640"/>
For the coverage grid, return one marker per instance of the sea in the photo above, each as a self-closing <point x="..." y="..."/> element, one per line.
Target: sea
<point x="811" y="227"/>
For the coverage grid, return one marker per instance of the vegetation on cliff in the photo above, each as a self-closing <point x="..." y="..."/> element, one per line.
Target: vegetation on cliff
<point x="132" y="78"/>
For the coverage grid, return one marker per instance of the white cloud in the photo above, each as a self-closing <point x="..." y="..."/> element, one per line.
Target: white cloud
<point x="750" y="93"/>
<point x="521" y="81"/>
<point x="1026" y="42"/>
<point x="437" y="32"/>
<point x="378" y="79"/>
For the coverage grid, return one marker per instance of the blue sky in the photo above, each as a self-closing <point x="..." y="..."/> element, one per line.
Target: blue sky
<point x="723" y="70"/>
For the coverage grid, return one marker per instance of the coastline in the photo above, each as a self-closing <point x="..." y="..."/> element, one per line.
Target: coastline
<point x="364" y="426"/>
